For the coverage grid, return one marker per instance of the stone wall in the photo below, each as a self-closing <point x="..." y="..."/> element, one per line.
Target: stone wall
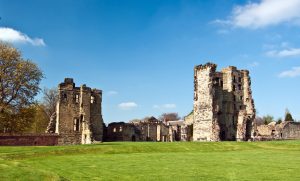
<point x="265" y="130"/>
<point x="149" y="129"/>
<point x="120" y="131"/>
<point x="175" y="130"/>
<point x="282" y="131"/>
<point x="29" y="139"/>
<point x="291" y="130"/>
<point x="205" y="127"/>
<point x="187" y="127"/>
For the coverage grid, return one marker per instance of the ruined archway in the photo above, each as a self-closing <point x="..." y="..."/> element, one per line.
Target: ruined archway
<point x="133" y="138"/>
<point x="248" y="129"/>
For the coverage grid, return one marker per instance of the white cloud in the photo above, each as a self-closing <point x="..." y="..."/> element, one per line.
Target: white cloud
<point x="14" y="36"/>
<point x="112" y="93"/>
<point x="294" y="72"/>
<point x="127" y="105"/>
<point x="284" y="53"/>
<point x="165" y="106"/>
<point x="264" y="13"/>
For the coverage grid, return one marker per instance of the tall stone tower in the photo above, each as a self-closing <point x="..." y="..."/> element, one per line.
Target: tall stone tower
<point x="78" y="115"/>
<point x="223" y="104"/>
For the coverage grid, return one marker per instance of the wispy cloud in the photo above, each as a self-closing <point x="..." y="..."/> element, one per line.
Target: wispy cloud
<point x="14" y="36"/>
<point x="264" y="13"/>
<point x="294" y="72"/>
<point x="165" y="106"/>
<point x="291" y="52"/>
<point x="127" y="105"/>
<point x="253" y="64"/>
<point x="112" y="93"/>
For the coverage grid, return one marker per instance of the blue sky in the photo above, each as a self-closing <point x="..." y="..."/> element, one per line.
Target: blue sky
<point x="141" y="53"/>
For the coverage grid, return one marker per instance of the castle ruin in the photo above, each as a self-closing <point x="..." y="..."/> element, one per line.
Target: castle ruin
<point x="223" y="111"/>
<point x="78" y="114"/>
<point x="148" y="129"/>
<point x="223" y="104"/>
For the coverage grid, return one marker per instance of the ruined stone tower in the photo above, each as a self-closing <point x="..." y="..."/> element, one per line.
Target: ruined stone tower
<point x="223" y="104"/>
<point x="78" y="114"/>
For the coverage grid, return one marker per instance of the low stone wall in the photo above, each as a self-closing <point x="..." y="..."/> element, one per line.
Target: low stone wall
<point x="28" y="139"/>
<point x="265" y="130"/>
<point x="70" y="139"/>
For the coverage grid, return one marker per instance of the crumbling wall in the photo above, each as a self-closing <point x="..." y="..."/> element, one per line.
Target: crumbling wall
<point x="205" y="127"/>
<point x="284" y="130"/>
<point x="187" y="127"/>
<point x="153" y="130"/>
<point x="175" y="128"/>
<point x="85" y="113"/>
<point x="223" y="104"/>
<point x="247" y="110"/>
<point x="96" y="115"/>
<point x="164" y="133"/>
<point x="120" y="131"/>
<point x="291" y="130"/>
<point x="266" y="130"/>
<point x="228" y="116"/>
<point x="68" y="109"/>
<point x="79" y="118"/>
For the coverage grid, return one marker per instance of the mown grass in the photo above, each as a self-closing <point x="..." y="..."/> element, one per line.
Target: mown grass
<point x="154" y="161"/>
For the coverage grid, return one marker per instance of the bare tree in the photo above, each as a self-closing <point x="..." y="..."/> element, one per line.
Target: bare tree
<point x="258" y="121"/>
<point x="50" y="99"/>
<point x="169" y="117"/>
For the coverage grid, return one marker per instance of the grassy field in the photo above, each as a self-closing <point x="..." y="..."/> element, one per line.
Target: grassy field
<point x="154" y="161"/>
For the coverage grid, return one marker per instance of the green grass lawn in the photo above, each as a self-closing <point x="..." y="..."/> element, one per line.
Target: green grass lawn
<point x="154" y="161"/>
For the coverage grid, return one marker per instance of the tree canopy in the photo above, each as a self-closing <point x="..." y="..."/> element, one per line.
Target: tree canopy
<point x="288" y="116"/>
<point x="279" y="120"/>
<point x="169" y="117"/>
<point x="19" y="84"/>
<point x="268" y="119"/>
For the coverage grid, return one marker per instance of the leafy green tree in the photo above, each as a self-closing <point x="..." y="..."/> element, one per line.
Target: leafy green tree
<point x="288" y="116"/>
<point x="40" y="120"/>
<point x="18" y="122"/>
<point x="268" y="119"/>
<point x="19" y="84"/>
<point x="279" y="120"/>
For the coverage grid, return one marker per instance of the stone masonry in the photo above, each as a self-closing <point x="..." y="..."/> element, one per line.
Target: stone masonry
<point x="148" y="129"/>
<point x="152" y="129"/>
<point x="187" y="127"/>
<point x="120" y="131"/>
<point x="223" y="104"/>
<point x="283" y="131"/>
<point x="78" y="114"/>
